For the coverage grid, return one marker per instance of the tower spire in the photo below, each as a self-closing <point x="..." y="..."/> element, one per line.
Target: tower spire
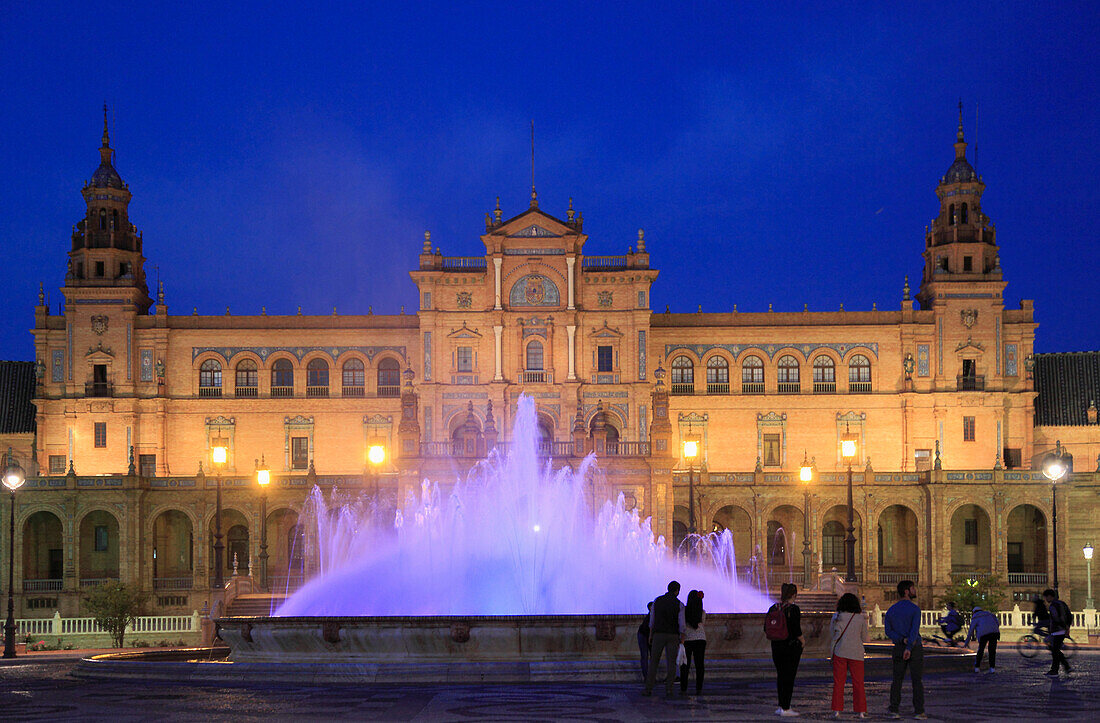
<point x="106" y="134"/>
<point x="534" y="195"/>
<point x="959" y="135"/>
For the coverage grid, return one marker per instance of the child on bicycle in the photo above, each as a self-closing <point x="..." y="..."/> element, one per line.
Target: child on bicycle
<point x="951" y="623"/>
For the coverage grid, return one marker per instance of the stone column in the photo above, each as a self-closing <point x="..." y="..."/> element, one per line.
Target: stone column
<point x="497" y="331"/>
<point x="571" y="330"/>
<point x="570" y="262"/>
<point x="496" y="281"/>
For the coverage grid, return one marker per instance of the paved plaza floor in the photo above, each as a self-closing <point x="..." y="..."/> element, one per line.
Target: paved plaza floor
<point x="1018" y="691"/>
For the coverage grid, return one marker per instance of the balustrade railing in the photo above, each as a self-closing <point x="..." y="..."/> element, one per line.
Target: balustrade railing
<point x="389" y="390"/>
<point x="969" y="574"/>
<point x="316" y="391"/>
<point x="1027" y="578"/>
<point x="824" y="387"/>
<point x="59" y="626"/>
<point x="210" y="392"/>
<point x="536" y="376"/>
<point x="893" y="578"/>
<point x="628" y="449"/>
<point x="681" y="390"/>
<point x="789" y="387"/>
<point x="967" y="383"/>
<point x="246" y="392"/>
<point x="352" y="391"/>
<point x="279" y="392"/>
<point x="464" y="263"/>
<point x="718" y="388"/>
<point x="752" y="387"/>
<point x="604" y="263"/>
<point x="859" y="387"/>
<point x="52" y="585"/>
<point x="89" y="582"/>
<point x="173" y="583"/>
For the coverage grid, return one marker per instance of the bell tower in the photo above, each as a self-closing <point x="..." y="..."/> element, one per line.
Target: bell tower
<point x="106" y="248"/>
<point x="961" y="244"/>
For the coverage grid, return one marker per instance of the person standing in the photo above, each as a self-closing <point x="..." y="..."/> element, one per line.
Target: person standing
<point x="786" y="650"/>
<point x="1060" y="621"/>
<point x="643" y="641"/>
<point x="666" y="632"/>
<point x="986" y="629"/>
<point x="695" y="641"/>
<point x="903" y="628"/>
<point x="849" y="633"/>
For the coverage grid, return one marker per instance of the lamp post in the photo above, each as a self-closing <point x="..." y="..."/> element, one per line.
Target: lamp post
<point x="218" y="454"/>
<point x="13" y="480"/>
<point x="848" y="452"/>
<point x="263" y="478"/>
<point x="691" y="451"/>
<point x="1087" y="550"/>
<point x="1054" y="469"/>
<point x="376" y="456"/>
<point x="806" y="476"/>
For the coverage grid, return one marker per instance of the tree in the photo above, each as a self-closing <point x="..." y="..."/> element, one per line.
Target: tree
<point x="986" y="592"/>
<point x="115" y="607"/>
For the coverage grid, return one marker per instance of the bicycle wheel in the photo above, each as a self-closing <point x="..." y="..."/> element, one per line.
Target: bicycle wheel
<point x="1029" y="646"/>
<point x="1069" y="648"/>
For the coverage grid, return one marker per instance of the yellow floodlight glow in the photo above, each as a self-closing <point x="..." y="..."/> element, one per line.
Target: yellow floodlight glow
<point x="691" y="449"/>
<point x="376" y="454"/>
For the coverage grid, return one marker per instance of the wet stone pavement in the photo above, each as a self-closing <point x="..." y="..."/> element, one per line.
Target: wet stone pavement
<point x="1018" y="691"/>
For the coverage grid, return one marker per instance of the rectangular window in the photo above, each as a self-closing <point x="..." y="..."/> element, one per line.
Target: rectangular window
<point x="299" y="452"/>
<point x="99" y="268"/>
<point x="101" y="538"/>
<point x="57" y="464"/>
<point x="968" y="263"/>
<point x="464" y="359"/>
<point x="100" y="434"/>
<point x="1013" y="458"/>
<point x="605" y="359"/>
<point x="147" y="465"/>
<point x="771" y="450"/>
<point x="970" y="532"/>
<point x="641" y="299"/>
<point x="426" y="302"/>
<point x="922" y="458"/>
<point x="968" y="429"/>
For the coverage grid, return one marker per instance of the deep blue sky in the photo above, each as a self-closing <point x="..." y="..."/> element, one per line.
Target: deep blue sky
<point x="781" y="154"/>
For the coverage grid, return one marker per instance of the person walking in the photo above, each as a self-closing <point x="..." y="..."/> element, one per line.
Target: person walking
<point x="695" y="641"/>
<point x="1060" y="621"/>
<point x="849" y="632"/>
<point x="903" y="628"/>
<point x="643" y="640"/>
<point x="666" y="632"/>
<point x="783" y="626"/>
<point x="986" y="629"/>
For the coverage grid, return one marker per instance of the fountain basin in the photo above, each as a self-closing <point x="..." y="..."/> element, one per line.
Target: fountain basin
<point x="486" y="639"/>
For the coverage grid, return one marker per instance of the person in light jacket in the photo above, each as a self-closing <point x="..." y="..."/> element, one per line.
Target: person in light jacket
<point x="695" y="641"/>
<point x="986" y="629"/>
<point x="849" y="633"/>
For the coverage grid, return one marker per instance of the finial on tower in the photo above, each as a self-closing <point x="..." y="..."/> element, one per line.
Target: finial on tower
<point x="905" y="289"/>
<point x="106" y="135"/>
<point x="569" y="212"/>
<point x="41" y="295"/>
<point x="160" y="292"/>
<point x="959" y="135"/>
<point x="497" y="212"/>
<point x="641" y="241"/>
<point x="427" y="249"/>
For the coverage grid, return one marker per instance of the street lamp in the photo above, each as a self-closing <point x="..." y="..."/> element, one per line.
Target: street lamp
<point x="691" y="451"/>
<point x="263" y="478"/>
<point x="13" y="480"/>
<point x="1087" y="550"/>
<point x="376" y="456"/>
<point x="806" y="476"/>
<point x="1054" y="469"/>
<point x="848" y="452"/>
<point x="219" y="453"/>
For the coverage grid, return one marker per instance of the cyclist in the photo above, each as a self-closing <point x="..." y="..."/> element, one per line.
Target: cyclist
<point x="950" y="623"/>
<point x="1041" y="623"/>
<point x="1060" y="621"/>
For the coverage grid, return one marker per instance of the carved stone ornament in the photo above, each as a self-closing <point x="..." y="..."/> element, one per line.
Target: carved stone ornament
<point x="99" y="324"/>
<point x="969" y="317"/>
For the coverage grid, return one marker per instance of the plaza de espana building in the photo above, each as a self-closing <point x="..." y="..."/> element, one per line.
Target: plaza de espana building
<point x="951" y="411"/>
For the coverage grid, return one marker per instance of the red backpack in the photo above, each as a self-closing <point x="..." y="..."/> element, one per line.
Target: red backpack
<point x="775" y="623"/>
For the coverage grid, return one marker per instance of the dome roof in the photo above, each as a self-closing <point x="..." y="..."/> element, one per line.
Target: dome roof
<point x="106" y="176"/>
<point x="960" y="172"/>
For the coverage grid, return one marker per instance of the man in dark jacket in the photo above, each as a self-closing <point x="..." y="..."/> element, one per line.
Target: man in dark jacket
<point x="666" y="632"/>
<point x="1060" y="621"/>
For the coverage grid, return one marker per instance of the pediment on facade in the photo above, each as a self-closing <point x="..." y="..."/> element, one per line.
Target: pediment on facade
<point x="534" y="231"/>
<point x="99" y="353"/>
<point x="377" y="420"/>
<point x="970" y="344"/>
<point x="606" y="332"/>
<point x="851" y="416"/>
<point x="298" y="420"/>
<point x="533" y="223"/>
<point x="774" y="417"/>
<point x="692" y="418"/>
<point x="464" y="332"/>
<point x="221" y="421"/>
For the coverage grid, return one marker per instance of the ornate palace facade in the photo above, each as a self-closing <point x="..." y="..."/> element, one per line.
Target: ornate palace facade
<point x="939" y="394"/>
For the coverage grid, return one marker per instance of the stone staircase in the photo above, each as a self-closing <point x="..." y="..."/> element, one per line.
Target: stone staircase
<point x="254" y="605"/>
<point x="816" y="601"/>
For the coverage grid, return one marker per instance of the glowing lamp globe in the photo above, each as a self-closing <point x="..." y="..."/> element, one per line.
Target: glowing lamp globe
<point x="376" y="454"/>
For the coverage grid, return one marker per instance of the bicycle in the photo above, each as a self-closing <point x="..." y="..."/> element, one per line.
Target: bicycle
<point x="942" y="641"/>
<point x="1030" y="645"/>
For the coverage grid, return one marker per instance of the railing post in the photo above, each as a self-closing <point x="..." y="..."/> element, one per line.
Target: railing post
<point x="56" y="623"/>
<point x="1017" y="616"/>
<point x="196" y="622"/>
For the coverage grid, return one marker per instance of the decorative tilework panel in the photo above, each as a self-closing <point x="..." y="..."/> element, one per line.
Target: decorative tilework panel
<point x="57" y="372"/>
<point x="146" y="365"/>
<point x="923" y="353"/>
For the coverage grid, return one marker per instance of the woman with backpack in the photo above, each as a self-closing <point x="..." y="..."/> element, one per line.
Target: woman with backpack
<point x="783" y="627"/>
<point x="849" y="633"/>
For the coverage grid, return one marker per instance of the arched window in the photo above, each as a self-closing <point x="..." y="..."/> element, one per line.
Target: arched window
<point x="824" y="374"/>
<point x="534" y="356"/>
<point x="248" y="379"/>
<point x="317" y="378"/>
<point x="752" y="375"/>
<point x="683" y="376"/>
<point x="718" y="375"/>
<point x="389" y="378"/>
<point x="951" y="214"/>
<point x="354" y="378"/>
<point x="114" y="219"/>
<point x="282" y="378"/>
<point x="787" y="375"/>
<point x="964" y="216"/>
<point x="210" y="378"/>
<point x="102" y="219"/>
<point x="859" y="374"/>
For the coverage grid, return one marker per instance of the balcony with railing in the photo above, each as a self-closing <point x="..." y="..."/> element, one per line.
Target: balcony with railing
<point x="89" y="582"/>
<point x="51" y="585"/>
<point x="246" y="392"/>
<point x="677" y="389"/>
<point x="604" y="263"/>
<point x="99" y="389"/>
<point x="209" y="392"/>
<point x="173" y="583"/>
<point x="627" y="449"/>
<point x="468" y="264"/>
<point x="353" y="391"/>
<point x="964" y="574"/>
<point x="824" y="387"/>
<point x="282" y="392"/>
<point x="317" y="391"/>
<point x="389" y="390"/>
<point x="859" y="387"/>
<point x="1038" y="579"/>
<point x="890" y="577"/>
<point x="536" y="376"/>
<point x="970" y="383"/>
<point x="718" y="388"/>
<point x="789" y="387"/>
<point x="752" y="387"/>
